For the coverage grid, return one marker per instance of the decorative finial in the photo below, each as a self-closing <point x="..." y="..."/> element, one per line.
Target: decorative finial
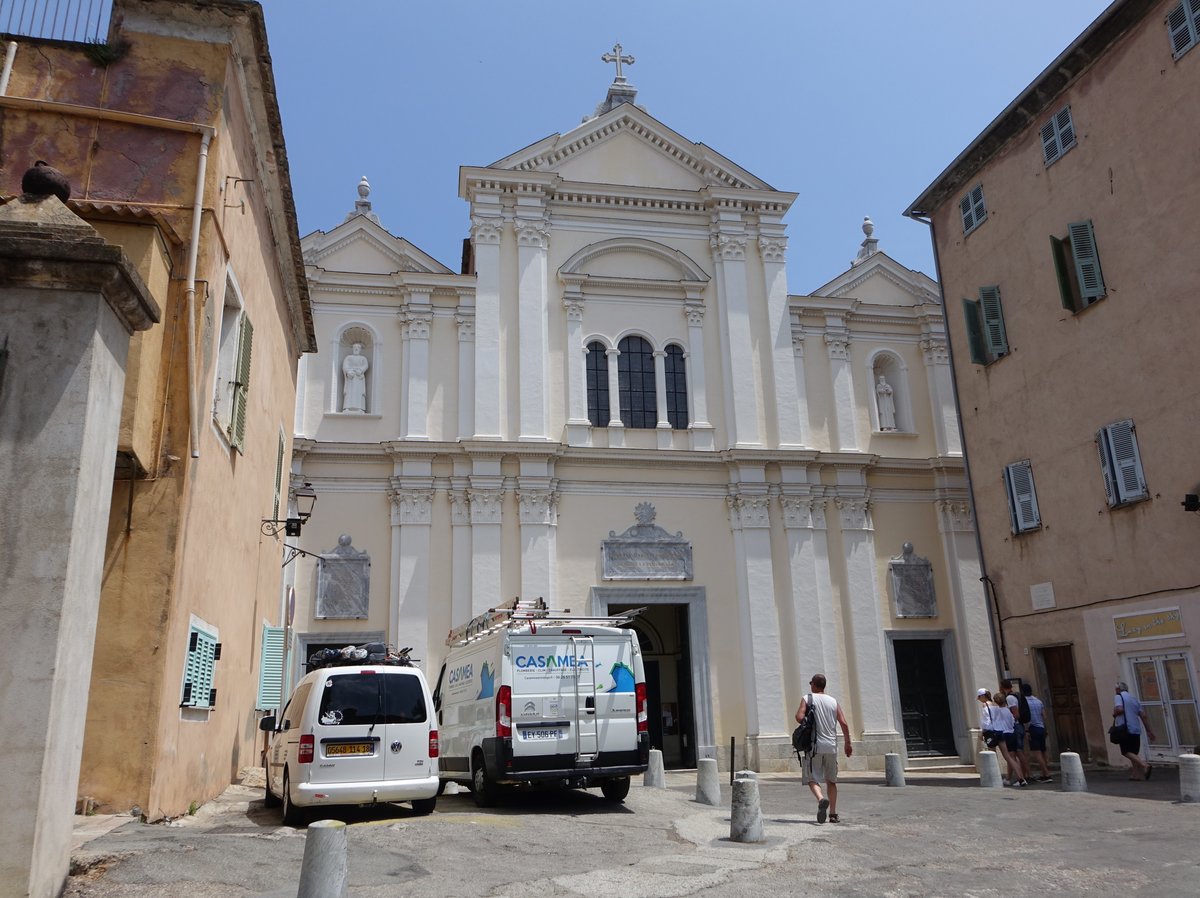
<point x="362" y="206"/>
<point x="46" y="180"/>
<point x="870" y="245"/>
<point x="868" y="225"/>
<point x="364" y="188"/>
<point x="615" y="56"/>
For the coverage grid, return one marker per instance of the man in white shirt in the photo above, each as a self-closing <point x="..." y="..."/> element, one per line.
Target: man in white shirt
<point x="1128" y="710"/>
<point x="822" y="766"/>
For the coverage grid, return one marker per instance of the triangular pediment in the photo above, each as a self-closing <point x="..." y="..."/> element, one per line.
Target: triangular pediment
<point x="363" y="246"/>
<point x="881" y="280"/>
<point x="628" y="146"/>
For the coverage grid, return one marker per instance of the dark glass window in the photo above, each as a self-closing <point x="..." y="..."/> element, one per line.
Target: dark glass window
<point x="677" y="409"/>
<point x="597" y="384"/>
<point x="371" y="698"/>
<point x="635" y="381"/>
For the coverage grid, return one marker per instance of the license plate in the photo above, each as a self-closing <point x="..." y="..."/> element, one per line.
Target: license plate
<point x="530" y="734"/>
<point x="348" y="748"/>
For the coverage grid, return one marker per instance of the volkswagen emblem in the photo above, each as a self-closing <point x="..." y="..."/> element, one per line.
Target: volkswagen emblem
<point x="396" y="746"/>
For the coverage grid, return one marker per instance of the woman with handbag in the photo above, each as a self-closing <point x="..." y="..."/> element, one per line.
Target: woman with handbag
<point x="1129" y="720"/>
<point x="996" y="728"/>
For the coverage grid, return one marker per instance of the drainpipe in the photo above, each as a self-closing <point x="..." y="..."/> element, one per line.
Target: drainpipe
<point x="192" y="330"/>
<point x="9" y="55"/>
<point x="999" y="650"/>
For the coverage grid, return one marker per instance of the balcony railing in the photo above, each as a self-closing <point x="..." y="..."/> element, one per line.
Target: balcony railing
<point x="63" y="20"/>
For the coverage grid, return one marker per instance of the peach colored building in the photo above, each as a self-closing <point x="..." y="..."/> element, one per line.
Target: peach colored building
<point x="1064" y="235"/>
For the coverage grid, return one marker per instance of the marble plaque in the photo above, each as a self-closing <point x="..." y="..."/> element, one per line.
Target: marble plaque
<point x="343" y="582"/>
<point x="646" y="551"/>
<point x="911" y="579"/>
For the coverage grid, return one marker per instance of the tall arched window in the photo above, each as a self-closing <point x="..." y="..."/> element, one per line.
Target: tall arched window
<point x="677" y="404"/>
<point x="597" y="384"/>
<point x="635" y="381"/>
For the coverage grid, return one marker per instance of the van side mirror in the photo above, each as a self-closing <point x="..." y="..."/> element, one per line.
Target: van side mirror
<point x="267" y="724"/>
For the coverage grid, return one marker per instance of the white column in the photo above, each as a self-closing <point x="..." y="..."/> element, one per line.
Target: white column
<point x="412" y="519"/>
<point x="801" y="379"/>
<point x="301" y="395"/>
<point x="489" y="392"/>
<point x="743" y="417"/>
<point x="663" y="424"/>
<point x="417" y="328"/>
<point x="872" y="702"/>
<point x="762" y="670"/>
<point x="701" y="428"/>
<point x="460" y="551"/>
<point x="786" y="391"/>
<point x="465" y="320"/>
<point x="972" y="624"/>
<point x="533" y="238"/>
<point x="538" y="504"/>
<point x="486" y="495"/>
<point x="616" y="429"/>
<point x="817" y="643"/>
<point x="941" y="394"/>
<point x="579" y="428"/>
<point x="844" y="435"/>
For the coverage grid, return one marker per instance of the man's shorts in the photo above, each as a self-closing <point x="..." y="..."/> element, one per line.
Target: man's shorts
<point x="821" y="768"/>
<point x="1037" y="738"/>
<point x="991" y="738"/>
<point x="1017" y="741"/>
<point x="1132" y="744"/>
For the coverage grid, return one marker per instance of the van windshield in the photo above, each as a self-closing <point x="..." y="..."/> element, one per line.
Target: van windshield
<point x="350" y="699"/>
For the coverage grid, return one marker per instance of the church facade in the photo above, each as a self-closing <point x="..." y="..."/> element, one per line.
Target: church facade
<point x="615" y="403"/>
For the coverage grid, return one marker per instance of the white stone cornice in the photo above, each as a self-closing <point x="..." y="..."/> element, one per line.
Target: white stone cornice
<point x="487" y="230"/>
<point x="773" y="249"/>
<point x="487" y="505"/>
<point x="955" y="516"/>
<point x="538" y="506"/>
<point x="855" y="513"/>
<point x="411" y="506"/>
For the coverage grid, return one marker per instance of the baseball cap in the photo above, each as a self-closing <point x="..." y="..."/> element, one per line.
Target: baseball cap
<point x="981" y="692"/>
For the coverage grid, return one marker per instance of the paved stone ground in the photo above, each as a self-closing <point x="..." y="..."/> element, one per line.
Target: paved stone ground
<point x="939" y="835"/>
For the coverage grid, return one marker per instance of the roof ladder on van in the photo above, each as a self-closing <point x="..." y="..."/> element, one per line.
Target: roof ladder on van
<point x="587" y="739"/>
<point x="530" y="612"/>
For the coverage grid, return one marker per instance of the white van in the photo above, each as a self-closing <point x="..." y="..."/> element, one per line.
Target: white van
<point x="351" y="735"/>
<point x="538" y="697"/>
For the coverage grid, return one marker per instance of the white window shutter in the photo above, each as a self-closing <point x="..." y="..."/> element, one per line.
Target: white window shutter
<point x="1106" y="468"/>
<point x="241" y="388"/>
<point x="993" y="321"/>
<point x="1087" y="261"/>
<point x="1050" y="151"/>
<point x="968" y="217"/>
<point x="1127" y="462"/>
<point x="1065" y="128"/>
<point x="1022" y="498"/>
<point x="979" y="208"/>
<point x="1183" y="23"/>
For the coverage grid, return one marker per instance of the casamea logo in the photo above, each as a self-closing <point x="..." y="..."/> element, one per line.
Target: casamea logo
<point x="525" y="662"/>
<point x="461" y="674"/>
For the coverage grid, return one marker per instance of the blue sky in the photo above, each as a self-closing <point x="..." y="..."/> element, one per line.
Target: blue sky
<point x="854" y="106"/>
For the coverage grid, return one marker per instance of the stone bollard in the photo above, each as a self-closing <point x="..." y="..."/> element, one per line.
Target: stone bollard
<point x="893" y="770"/>
<point x="989" y="771"/>
<point x="745" y="819"/>
<point x="708" y="785"/>
<point x="1189" y="777"/>
<point x="323" y="870"/>
<point x="655" y="776"/>
<point x="1071" y="769"/>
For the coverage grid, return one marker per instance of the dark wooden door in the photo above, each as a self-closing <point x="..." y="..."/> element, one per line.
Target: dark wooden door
<point x="1064" y="723"/>
<point x="924" y="704"/>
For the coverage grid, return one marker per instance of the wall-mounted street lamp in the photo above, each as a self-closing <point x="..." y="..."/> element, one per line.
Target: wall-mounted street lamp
<point x="305" y="498"/>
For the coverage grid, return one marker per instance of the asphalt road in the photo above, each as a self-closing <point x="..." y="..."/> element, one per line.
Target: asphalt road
<point x="939" y="835"/>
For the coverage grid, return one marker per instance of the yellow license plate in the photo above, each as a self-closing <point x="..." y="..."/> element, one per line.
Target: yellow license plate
<point x="348" y="748"/>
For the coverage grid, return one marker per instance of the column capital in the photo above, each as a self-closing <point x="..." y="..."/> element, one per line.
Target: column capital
<point x="538" y="506"/>
<point x="838" y="344"/>
<point x="487" y="505"/>
<point x="729" y="247"/>
<point x="411" y="506"/>
<point x="694" y="312"/>
<point x="954" y="516"/>
<point x="460" y="507"/>
<point x="532" y="232"/>
<point x="749" y="511"/>
<point x="465" y="322"/>
<point x="935" y="350"/>
<point x="486" y="230"/>
<point x="803" y="512"/>
<point x="773" y="249"/>
<point x="855" y="513"/>
<point x="574" y="307"/>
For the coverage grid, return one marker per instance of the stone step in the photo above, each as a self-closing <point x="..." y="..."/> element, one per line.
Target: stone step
<point x="936" y="762"/>
<point x="949" y="768"/>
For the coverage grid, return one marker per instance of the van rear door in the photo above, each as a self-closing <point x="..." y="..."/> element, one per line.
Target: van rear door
<point x="406" y="725"/>
<point x="348" y="733"/>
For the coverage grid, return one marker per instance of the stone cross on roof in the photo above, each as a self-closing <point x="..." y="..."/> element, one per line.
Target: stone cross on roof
<point x="615" y="56"/>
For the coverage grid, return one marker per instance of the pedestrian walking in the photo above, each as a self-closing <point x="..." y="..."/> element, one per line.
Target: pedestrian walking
<point x="995" y="729"/>
<point x="1016" y="743"/>
<point x="1036" y="732"/>
<point x="822" y="766"/>
<point x="1128" y="713"/>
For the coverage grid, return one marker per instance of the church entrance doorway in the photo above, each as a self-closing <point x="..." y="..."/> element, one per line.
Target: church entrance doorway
<point x="924" y="703"/>
<point x="663" y="633"/>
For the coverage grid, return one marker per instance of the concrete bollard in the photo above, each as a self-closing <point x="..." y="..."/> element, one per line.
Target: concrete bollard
<point x="655" y="775"/>
<point x="323" y="870"/>
<point x="1071" y="769"/>
<point x="893" y="770"/>
<point x="708" y="785"/>
<point x="745" y="819"/>
<point x="1189" y="777"/>
<point x="746" y="775"/>
<point x="989" y="771"/>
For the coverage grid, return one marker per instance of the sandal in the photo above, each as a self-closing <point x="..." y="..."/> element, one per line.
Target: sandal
<point x="833" y="818"/>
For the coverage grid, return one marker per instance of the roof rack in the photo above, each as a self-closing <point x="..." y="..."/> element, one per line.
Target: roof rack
<point x="531" y="612"/>
<point x="354" y="656"/>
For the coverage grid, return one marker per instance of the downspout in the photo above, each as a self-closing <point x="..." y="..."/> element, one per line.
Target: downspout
<point x="9" y="55"/>
<point x="999" y="650"/>
<point x="193" y="257"/>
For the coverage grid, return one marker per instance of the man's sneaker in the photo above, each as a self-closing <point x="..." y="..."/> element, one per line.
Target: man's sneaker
<point x="1045" y="779"/>
<point x="822" y="810"/>
<point x="1022" y="782"/>
<point x="1006" y="782"/>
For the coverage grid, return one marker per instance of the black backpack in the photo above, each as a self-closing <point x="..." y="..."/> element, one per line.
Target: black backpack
<point x="805" y="735"/>
<point x="1023" y="708"/>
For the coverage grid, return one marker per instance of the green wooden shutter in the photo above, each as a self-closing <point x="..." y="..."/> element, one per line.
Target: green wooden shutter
<point x="241" y="386"/>
<point x="270" y="670"/>
<point x="974" y="325"/>
<point x="198" y="670"/>
<point x="1066" y="292"/>
<point x="1087" y="261"/>
<point x="993" y="321"/>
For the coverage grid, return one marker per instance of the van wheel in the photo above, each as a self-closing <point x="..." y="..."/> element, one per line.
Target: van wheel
<point x="424" y="805"/>
<point x="441" y="787"/>
<point x="292" y="815"/>
<point x="485" y="792"/>
<point x="269" y="799"/>
<point x="615" y="790"/>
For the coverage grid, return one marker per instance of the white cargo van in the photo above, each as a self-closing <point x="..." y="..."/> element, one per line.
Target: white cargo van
<point x="355" y="734"/>
<point x="531" y="696"/>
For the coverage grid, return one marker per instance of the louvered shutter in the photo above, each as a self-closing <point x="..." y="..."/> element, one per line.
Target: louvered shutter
<point x="1106" y="468"/>
<point x="1066" y="292"/>
<point x="1087" y="261"/>
<point x="993" y="321"/>
<point x="270" y="670"/>
<point x="972" y="209"/>
<point x="1066" y="129"/>
<point x="1126" y="462"/>
<point x="241" y="386"/>
<point x="1183" y="24"/>
<point x="968" y="216"/>
<point x="1050" y="151"/>
<point x="974" y="325"/>
<point x="198" y="670"/>
<point x="1022" y="498"/>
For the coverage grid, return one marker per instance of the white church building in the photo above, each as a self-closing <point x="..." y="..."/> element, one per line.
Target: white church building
<point x="616" y="403"/>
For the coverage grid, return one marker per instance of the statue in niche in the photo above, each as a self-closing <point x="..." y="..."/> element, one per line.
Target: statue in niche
<point x="886" y="404"/>
<point x="912" y="584"/>
<point x="354" y="373"/>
